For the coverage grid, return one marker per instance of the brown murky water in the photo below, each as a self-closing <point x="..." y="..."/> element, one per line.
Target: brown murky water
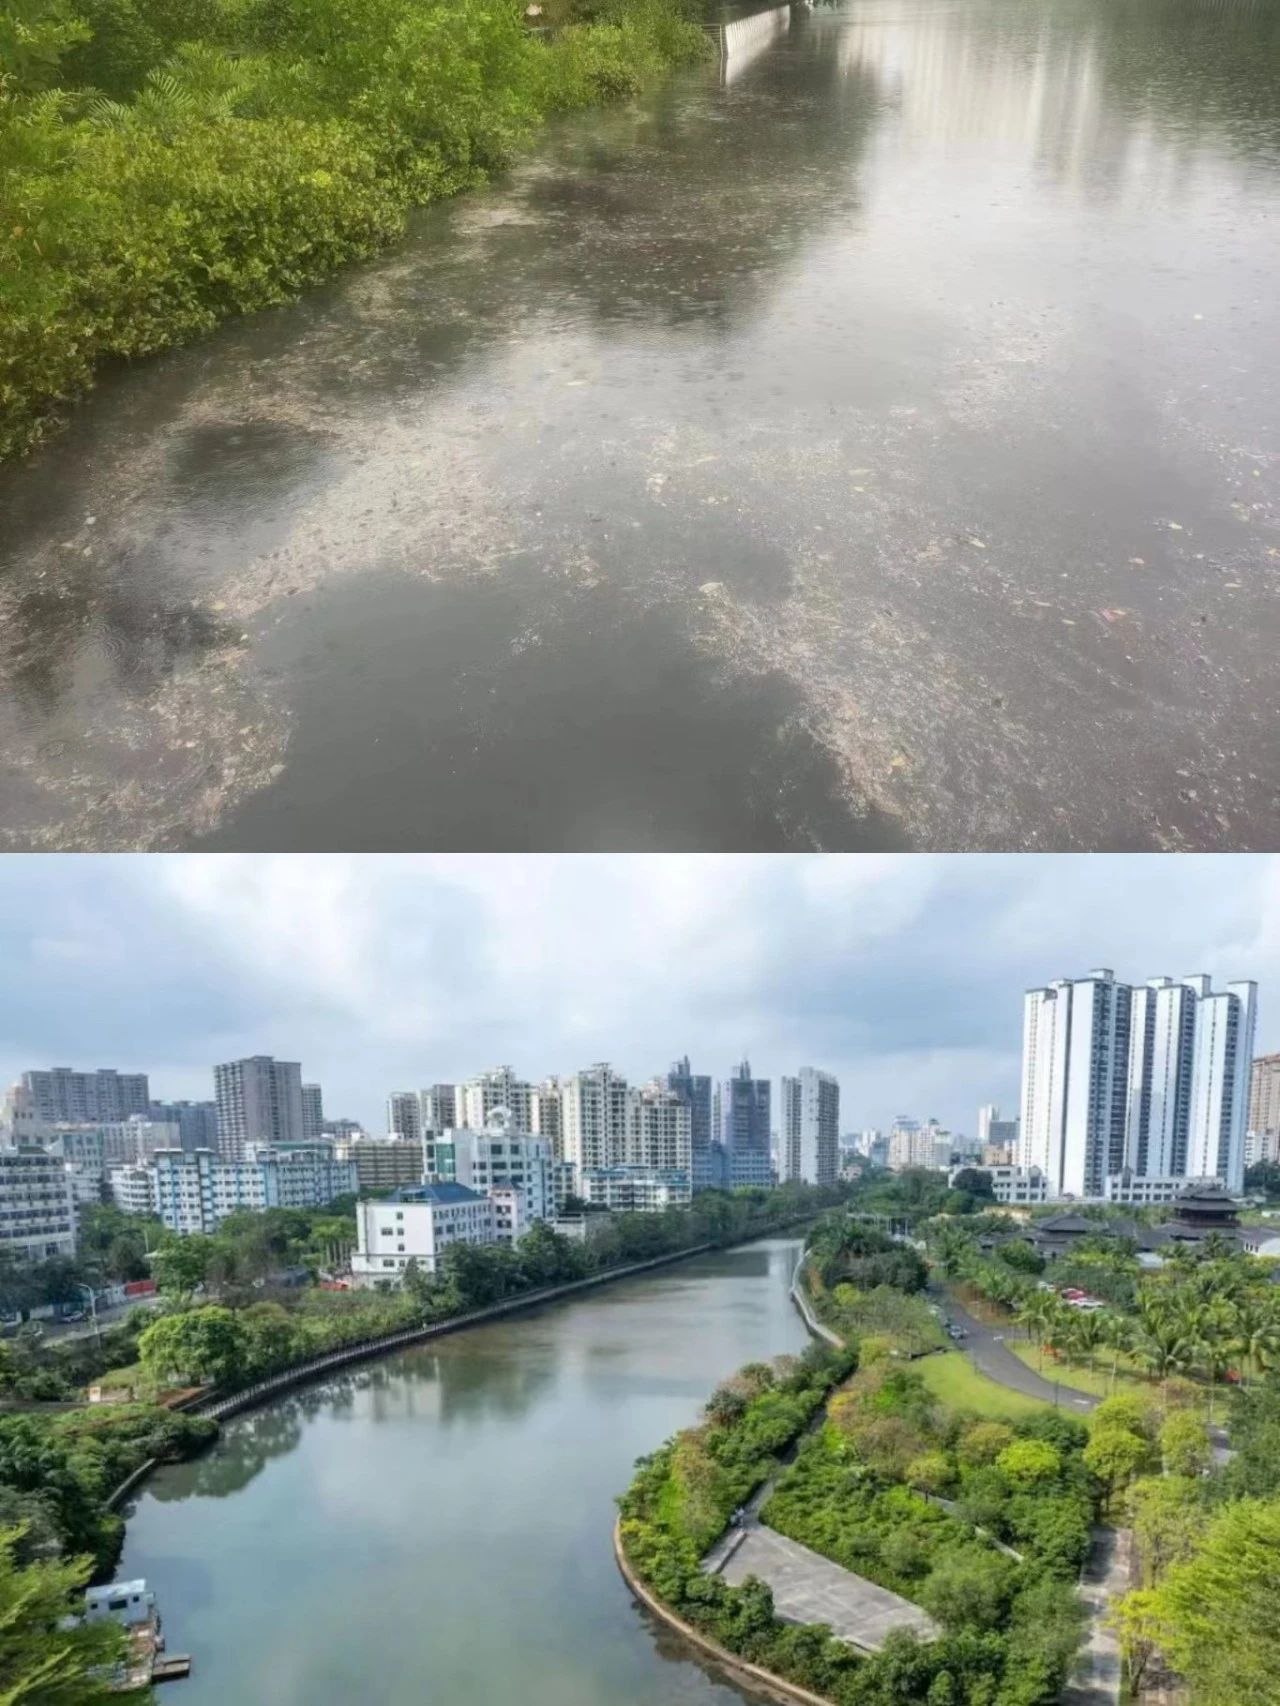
<point x="873" y="444"/>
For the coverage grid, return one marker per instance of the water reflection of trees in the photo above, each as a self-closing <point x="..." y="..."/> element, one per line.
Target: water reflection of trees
<point x="243" y="1450"/>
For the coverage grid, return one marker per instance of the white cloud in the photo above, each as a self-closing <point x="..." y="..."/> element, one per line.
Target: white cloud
<point x="903" y="974"/>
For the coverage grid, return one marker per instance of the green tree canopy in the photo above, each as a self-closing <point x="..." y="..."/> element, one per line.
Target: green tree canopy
<point x="43" y="1663"/>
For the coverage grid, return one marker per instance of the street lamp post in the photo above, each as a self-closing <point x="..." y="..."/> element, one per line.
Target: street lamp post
<point x="93" y="1312"/>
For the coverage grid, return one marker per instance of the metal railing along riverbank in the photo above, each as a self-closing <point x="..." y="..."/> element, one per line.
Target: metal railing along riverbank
<point x="739" y="34"/>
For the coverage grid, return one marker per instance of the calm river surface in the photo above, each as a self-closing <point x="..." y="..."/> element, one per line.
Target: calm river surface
<point x="437" y="1527"/>
<point x="873" y="443"/>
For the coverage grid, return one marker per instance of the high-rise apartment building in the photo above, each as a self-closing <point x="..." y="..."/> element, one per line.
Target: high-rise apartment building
<point x="1264" y="1095"/>
<point x="547" y="1113"/>
<point x="1075" y="1069"/>
<point x="1220" y="1082"/>
<point x="1161" y="1062"/>
<point x="440" y="1109"/>
<point x="745" y="1105"/>
<point x="259" y="1101"/>
<point x="695" y="1089"/>
<point x="594" y="1118"/>
<point x="1152" y="1081"/>
<point x="197" y="1122"/>
<point x="404" y="1115"/>
<point x="312" y="1113"/>
<point x="488" y="1092"/>
<point x="659" y="1129"/>
<point x="62" y="1096"/>
<point x="811" y="1128"/>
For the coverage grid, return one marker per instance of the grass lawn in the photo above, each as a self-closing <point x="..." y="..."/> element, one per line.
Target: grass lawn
<point x="1080" y="1378"/>
<point x="952" y="1379"/>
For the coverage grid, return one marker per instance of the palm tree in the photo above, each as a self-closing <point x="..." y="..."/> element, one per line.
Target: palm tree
<point x="1163" y="1345"/>
<point x="1218" y="1342"/>
<point x="1033" y="1318"/>
<point x="1088" y="1331"/>
<point x="1258" y="1331"/>
<point x="1117" y="1333"/>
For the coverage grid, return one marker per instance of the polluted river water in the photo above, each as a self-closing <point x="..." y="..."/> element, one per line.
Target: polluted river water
<point x="868" y="442"/>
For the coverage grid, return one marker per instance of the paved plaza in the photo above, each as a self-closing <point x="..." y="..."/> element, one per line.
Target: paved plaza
<point x="808" y="1588"/>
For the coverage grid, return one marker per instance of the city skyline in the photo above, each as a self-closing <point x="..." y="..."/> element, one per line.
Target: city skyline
<point x="432" y="969"/>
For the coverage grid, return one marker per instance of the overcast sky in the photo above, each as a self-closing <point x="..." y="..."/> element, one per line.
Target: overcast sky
<point x="902" y="974"/>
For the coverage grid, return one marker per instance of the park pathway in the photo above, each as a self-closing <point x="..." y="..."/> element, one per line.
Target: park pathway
<point x="1095" y="1677"/>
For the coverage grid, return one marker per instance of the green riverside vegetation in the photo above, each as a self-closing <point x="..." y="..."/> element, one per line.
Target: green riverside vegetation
<point x="167" y="163"/>
<point x="926" y="1500"/>
<point x="237" y="1306"/>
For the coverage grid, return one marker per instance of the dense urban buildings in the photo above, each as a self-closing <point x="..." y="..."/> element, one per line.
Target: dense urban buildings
<point x="499" y="1157"/>
<point x="194" y="1191"/>
<point x="811" y="1127"/>
<point x="1128" y="1091"/>
<point x="1152" y="1080"/>
<point x="259" y="1101"/>
<point x="62" y="1096"/>
<point x="912" y="1144"/>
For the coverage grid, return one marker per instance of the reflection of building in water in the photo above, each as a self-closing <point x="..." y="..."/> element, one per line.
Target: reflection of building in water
<point x="1069" y="95"/>
<point x="743" y="40"/>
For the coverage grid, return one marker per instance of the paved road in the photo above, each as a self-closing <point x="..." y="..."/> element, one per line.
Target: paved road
<point x="1095" y="1677"/>
<point x="988" y="1351"/>
<point x="61" y="1332"/>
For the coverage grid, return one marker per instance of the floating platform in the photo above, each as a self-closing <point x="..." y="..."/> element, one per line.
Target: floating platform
<point x="170" y="1667"/>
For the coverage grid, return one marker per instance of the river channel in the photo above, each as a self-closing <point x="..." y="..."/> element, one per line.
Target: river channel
<point x="436" y="1527"/>
<point x="870" y="442"/>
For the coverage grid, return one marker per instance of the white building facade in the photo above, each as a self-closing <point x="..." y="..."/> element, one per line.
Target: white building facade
<point x="659" y="1129"/>
<point x="594" y="1118"/>
<point x="1225" y="1026"/>
<point x="37" y="1207"/>
<point x="417" y="1225"/>
<point x="635" y="1190"/>
<point x="499" y="1157"/>
<point x="1075" y="1065"/>
<point x="1149" y="1082"/>
<point x="810" y="1128"/>
<point x="484" y="1095"/>
<point x="195" y="1190"/>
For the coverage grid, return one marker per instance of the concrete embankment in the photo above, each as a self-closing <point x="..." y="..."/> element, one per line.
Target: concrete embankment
<point x="775" y="1686"/>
